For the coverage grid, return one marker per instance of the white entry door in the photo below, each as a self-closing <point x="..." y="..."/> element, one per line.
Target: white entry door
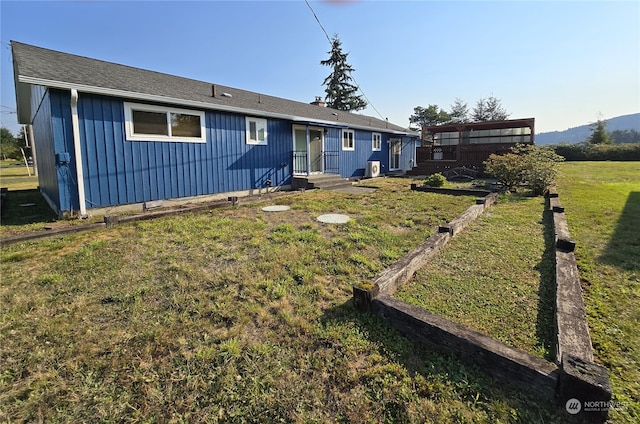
<point x="308" y="159"/>
<point x="395" y="150"/>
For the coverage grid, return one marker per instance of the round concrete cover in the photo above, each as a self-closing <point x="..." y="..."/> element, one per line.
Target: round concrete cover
<point x="334" y="218"/>
<point x="276" y="208"/>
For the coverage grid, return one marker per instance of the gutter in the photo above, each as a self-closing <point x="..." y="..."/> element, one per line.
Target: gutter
<point x="77" y="151"/>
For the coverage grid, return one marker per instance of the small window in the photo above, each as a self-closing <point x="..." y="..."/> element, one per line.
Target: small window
<point x="159" y="123"/>
<point x="376" y="142"/>
<point x="348" y="140"/>
<point x="256" y="131"/>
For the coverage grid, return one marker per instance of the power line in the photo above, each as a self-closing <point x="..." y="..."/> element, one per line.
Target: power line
<point x="11" y="109"/>
<point x="350" y="74"/>
<point x="318" y="20"/>
<point x="365" y="96"/>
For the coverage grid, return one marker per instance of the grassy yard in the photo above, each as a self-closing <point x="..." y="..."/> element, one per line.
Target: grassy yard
<point x="503" y="288"/>
<point x="234" y="315"/>
<point x="602" y="201"/>
<point x="14" y="176"/>
<point x="497" y="277"/>
<point x="24" y="208"/>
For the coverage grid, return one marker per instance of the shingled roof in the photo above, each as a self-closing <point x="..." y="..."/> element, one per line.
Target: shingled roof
<point x="35" y="66"/>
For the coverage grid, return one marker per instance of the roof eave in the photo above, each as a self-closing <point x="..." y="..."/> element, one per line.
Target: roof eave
<point x="23" y="103"/>
<point x="25" y="81"/>
<point x="23" y="96"/>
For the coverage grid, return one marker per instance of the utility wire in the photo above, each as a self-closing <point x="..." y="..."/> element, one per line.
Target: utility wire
<point x="318" y="20"/>
<point x="365" y="96"/>
<point x="350" y="74"/>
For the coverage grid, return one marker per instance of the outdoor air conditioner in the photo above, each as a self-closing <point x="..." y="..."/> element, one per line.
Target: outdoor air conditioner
<point x="373" y="169"/>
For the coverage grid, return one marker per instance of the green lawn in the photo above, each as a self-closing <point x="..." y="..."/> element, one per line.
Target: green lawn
<point x="237" y="315"/>
<point x="14" y="176"/>
<point x="234" y="315"/>
<point x="497" y="277"/>
<point x="602" y="201"/>
<point x="497" y="280"/>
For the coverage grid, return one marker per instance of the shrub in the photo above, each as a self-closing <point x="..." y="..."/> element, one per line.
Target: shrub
<point x="532" y="166"/>
<point x="541" y="168"/>
<point x="435" y="180"/>
<point x="507" y="168"/>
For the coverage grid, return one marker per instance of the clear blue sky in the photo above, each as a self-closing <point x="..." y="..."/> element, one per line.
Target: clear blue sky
<point x="564" y="63"/>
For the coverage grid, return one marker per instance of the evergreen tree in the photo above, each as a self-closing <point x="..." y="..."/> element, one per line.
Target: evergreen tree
<point x="599" y="133"/>
<point x="489" y="110"/>
<point x="459" y="113"/>
<point x="341" y="93"/>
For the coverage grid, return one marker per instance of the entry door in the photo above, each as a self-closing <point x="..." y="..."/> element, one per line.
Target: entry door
<point x="300" y="151"/>
<point x="315" y="151"/>
<point x="395" y="149"/>
<point x="309" y="160"/>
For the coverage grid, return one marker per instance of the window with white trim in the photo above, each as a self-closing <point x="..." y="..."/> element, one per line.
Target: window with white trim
<point x="348" y="140"/>
<point x="376" y="142"/>
<point x="256" y="131"/>
<point x="161" y="123"/>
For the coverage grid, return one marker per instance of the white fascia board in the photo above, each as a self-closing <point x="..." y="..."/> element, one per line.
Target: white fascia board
<point x="182" y="102"/>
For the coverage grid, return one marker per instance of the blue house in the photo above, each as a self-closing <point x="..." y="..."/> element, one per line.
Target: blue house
<point x="108" y="135"/>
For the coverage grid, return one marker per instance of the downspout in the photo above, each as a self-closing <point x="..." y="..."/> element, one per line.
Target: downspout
<point x="77" y="151"/>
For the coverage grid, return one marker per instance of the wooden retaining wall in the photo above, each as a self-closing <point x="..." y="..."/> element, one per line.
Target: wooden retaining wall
<point x="574" y="379"/>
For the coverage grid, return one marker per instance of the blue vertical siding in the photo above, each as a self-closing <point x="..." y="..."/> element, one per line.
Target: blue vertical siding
<point x="353" y="163"/>
<point x="117" y="171"/>
<point x="62" y="132"/>
<point x="383" y="155"/>
<point x="46" y="152"/>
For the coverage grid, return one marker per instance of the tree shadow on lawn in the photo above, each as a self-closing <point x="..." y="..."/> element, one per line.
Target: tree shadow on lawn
<point x="449" y="379"/>
<point x="623" y="249"/>
<point x="22" y="207"/>
<point x="545" y="320"/>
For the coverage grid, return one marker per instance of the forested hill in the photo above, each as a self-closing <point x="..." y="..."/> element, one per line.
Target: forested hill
<point x="579" y="134"/>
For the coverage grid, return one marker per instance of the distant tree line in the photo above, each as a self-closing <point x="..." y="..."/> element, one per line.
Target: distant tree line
<point x="485" y="109"/>
<point x="599" y="152"/>
<point x="10" y="146"/>
<point x="625" y="136"/>
<point x="618" y="145"/>
<point x="600" y="135"/>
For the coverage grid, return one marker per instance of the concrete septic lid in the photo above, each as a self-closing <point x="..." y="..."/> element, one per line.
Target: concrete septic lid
<point x="334" y="218"/>
<point x="276" y="208"/>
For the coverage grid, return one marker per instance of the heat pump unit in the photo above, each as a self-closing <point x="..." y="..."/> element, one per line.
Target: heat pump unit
<point x="373" y="169"/>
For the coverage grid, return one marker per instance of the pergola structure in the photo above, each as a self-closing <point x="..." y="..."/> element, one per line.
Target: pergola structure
<point x="468" y="145"/>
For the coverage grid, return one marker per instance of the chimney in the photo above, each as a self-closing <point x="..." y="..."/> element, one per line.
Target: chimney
<point x="213" y="90"/>
<point x="318" y="101"/>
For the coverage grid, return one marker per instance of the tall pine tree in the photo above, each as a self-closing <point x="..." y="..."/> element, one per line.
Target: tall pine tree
<point x="489" y="110"/>
<point x="341" y="93"/>
<point x="599" y="133"/>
